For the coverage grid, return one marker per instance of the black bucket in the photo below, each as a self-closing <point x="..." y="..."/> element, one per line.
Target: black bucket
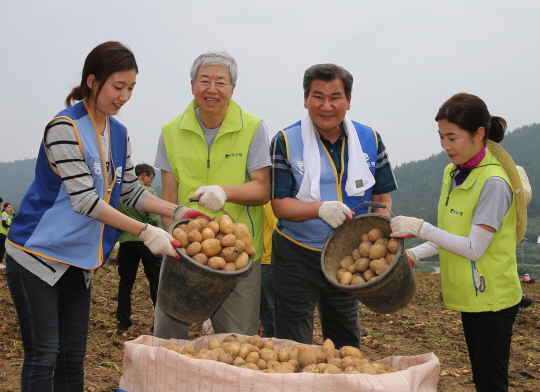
<point x="191" y="292"/>
<point x="389" y="292"/>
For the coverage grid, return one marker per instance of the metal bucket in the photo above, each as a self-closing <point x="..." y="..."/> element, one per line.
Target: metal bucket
<point x="389" y="292"/>
<point x="191" y="292"/>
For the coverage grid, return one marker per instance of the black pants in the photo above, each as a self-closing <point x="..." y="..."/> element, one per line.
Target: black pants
<point x="2" y="246"/>
<point x="129" y="255"/>
<point x="488" y="336"/>
<point x="299" y="285"/>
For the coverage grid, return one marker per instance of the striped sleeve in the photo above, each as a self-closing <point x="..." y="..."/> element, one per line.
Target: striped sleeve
<point x="385" y="181"/>
<point x="63" y="152"/>
<point x="133" y="194"/>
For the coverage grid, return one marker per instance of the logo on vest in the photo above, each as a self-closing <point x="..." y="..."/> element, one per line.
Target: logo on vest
<point x="118" y="173"/>
<point x="97" y="168"/>
<point x="452" y="211"/>
<point x="369" y="164"/>
<point x="233" y="155"/>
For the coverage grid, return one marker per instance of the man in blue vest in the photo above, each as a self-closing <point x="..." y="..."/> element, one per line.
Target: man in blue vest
<point x="324" y="166"/>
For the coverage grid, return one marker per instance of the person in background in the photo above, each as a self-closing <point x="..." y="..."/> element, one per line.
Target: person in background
<point x="324" y="167"/>
<point x="68" y="221"/>
<point x="132" y="250"/>
<point x="6" y="215"/>
<point x="217" y="151"/>
<point x="1" y="204"/>
<point x="267" y="292"/>
<point x="482" y="215"/>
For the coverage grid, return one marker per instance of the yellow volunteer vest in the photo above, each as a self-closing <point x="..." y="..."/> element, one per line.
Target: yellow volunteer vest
<point x="193" y="165"/>
<point x="498" y="264"/>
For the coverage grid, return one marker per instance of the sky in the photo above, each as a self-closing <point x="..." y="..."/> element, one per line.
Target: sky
<point x="406" y="57"/>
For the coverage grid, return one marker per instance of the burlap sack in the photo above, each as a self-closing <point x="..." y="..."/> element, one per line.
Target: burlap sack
<point x="150" y="367"/>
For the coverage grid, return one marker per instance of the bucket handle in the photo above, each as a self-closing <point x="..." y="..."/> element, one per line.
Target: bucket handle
<point x="195" y="199"/>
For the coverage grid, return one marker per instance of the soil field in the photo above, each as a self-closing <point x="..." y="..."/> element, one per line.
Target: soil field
<point x="423" y="326"/>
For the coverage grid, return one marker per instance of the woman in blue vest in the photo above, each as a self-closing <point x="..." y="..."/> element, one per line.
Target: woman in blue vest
<point x="481" y="217"/>
<point x="69" y="222"/>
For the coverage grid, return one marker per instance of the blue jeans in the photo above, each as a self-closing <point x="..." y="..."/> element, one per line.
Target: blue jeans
<point x="267" y="301"/>
<point x="54" y="328"/>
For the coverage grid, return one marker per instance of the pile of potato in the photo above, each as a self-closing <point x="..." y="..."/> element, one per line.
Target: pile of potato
<point x="218" y="244"/>
<point x="369" y="260"/>
<point x="258" y="354"/>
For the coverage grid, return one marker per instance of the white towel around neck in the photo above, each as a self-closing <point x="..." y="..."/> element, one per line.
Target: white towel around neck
<point x="359" y="177"/>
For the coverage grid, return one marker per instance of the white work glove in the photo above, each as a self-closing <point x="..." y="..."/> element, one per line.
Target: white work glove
<point x="405" y="226"/>
<point x="213" y="197"/>
<point x="413" y="260"/>
<point x="159" y="241"/>
<point x="334" y="213"/>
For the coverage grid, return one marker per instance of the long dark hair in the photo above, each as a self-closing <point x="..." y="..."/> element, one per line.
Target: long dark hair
<point x="103" y="61"/>
<point x="469" y="112"/>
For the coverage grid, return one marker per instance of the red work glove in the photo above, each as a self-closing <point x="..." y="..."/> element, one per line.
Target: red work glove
<point x="413" y="260"/>
<point x="188" y="213"/>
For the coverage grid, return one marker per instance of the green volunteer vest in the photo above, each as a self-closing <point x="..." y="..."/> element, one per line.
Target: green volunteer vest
<point x="193" y="165"/>
<point x="498" y="264"/>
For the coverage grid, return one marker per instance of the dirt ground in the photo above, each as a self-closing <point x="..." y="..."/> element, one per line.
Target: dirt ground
<point x="423" y="326"/>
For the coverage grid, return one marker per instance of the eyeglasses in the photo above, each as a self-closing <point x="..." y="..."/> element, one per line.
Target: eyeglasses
<point x="208" y="83"/>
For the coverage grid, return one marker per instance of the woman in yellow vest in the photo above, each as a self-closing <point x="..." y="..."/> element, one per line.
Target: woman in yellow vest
<point x="481" y="217"/>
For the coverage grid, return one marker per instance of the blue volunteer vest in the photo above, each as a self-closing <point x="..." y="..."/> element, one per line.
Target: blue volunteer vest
<point x="312" y="232"/>
<point x="46" y="225"/>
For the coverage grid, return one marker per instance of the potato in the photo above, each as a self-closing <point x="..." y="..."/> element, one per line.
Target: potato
<point x="379" y="366"/>
<point x="268" y="355"/>
<point x="213" y="343"/>
<point x="204" y="222"/>
<point x="245" y="349"/>
<point x="362" y="264"/>
<point x="252" y="358"/>
<point x="207" y="233"/>
<point x="257" y="341"/>
<point x="390" y="257"/>
<point x="369" y="275"/>
<point x="367" y="369"/>
<point x="211" y="247"/>
<point x="268" y="344"/>
<point x="346" y="262"/>
<point x="393" y="245"/>
<point x="229" y="267"/>
<point x="229" y="254"/>
<point x="239" y="361"/>
<point x="232" y="348"/>
<point x="228" y="240"/>
<point x="271" y="363"/>
<point x="283" y="355"/>
<point x="357" y="280"/>
<point x="377" y="251"/>
<point x="243" y="234"/>
<point x="193" y="248"/>
<point x="334" y="361"/>
<point x="284" y="368"/>
<point x="200" y="258"/>
<point x="195" y="236"/>
<point x="382" y="241"/>
<point x="188" y="350"/>
<point x="261" y="364"/>
<point x="340" y="273"/>
<point x="356" y="254"/>
<point x="240" y="246"/>
<point x="307" y="355"/>
<point x="216" y="263"/>
<point x="311" y="369"/>
<point x="219" y="236"/>
<point x="347" y="361"/>
<point x="214" y="226"/>
<point x="194" y="224"/>
<point x="346" y="278"/>
<point x="349" y="351"/>
<point x="365" y="238"/>
<point x="181" y="235"/>
<point x="229" y="338"/>
<point x="295" y="364"/>
<point x="241" y="261"/>
<point x="364" y="249"/>
<point x="379" y="265"/>
<point x="329" y="348"/>
<point x="183" y="226"/>
<point x="331" y="369"/>
<point x="374" y="234"/>
<point x="352" y="269"/>
<point x="226" y="224"/>
<point x="226" y="358"/>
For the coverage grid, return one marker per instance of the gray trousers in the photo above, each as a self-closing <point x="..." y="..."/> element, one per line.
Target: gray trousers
<point x="239" y="313"/>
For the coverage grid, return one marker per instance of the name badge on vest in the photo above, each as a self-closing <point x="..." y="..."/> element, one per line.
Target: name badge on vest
<point x="359" y="183"/>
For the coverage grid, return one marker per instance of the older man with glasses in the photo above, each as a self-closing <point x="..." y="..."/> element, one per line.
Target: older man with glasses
<point x="217" y="151"/>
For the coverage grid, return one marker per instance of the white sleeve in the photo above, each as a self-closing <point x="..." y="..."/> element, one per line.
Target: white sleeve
<point x="472" y="247"/>
<point x="424" y="250"/>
